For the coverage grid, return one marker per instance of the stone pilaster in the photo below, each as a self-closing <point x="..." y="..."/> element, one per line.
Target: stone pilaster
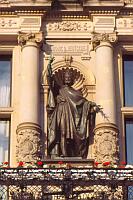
<point x="106" y="131"/>
<point x="29" y="131"/>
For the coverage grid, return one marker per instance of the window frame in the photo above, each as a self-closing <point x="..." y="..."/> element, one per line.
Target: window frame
<point x="6" y="112"/>
<point x="125" y="111"/>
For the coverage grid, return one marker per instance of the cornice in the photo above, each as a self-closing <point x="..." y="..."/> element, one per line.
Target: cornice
<point x="90" y="8"/>
<point x="68" y="16"/>
<point x="101" y="3"/>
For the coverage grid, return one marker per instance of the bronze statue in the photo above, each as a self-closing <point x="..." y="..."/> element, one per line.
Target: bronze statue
<point x="71" y="121"/>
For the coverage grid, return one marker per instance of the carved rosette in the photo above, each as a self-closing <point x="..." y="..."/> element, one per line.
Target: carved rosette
<point x="106" y="143"/>
<point x="23" y="38"/>
<point x="29" y="148"/>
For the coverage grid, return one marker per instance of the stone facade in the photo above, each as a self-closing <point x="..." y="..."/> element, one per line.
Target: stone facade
<point x="88" y="37"/>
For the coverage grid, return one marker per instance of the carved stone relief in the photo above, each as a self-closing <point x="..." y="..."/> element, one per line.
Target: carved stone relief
<point x="69" y="26"/>
<point x="76" y="49"/>
<point x="32" y="37"/>
<point x="9" y="22"/>
<point x="103" y="37"/>
<point x="28" y="142"/>
<point x="124" y="23"/>
<point x="106" y="143"/>
<point x="20" y="23"/>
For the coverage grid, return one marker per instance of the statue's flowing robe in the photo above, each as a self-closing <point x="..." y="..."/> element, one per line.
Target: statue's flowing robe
<point x="71" y="123"/>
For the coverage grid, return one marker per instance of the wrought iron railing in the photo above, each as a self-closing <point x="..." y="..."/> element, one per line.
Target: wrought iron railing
<point x="62" y="183"/>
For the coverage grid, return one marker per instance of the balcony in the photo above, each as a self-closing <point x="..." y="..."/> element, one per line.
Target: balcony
<point x="66" y="183"/>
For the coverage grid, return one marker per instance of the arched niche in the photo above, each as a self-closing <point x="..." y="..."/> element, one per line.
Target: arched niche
<point x="84" y="78"/>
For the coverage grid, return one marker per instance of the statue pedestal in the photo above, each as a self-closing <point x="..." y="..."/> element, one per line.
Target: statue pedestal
<point x="74" y="161"/>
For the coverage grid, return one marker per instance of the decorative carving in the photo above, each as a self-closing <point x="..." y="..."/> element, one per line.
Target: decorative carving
<point x="70" y="26"/>
<point x="8" y="22"/>
<point x="106" y="143"/>
<point x="104" y="37"/>
<point x="68" y="60"/>
<point x="28" y="142"/>
<point x="124" y="23"/>
<point x="32" y="37"/>
<point x="128" y="1"/>
<point x="4" y="2"/>
<point x="69" y="49"/>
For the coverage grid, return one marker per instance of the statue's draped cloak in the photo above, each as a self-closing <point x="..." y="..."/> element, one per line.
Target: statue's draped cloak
<point x="71" y="122"/>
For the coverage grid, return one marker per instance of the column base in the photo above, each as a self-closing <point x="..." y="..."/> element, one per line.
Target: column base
<point x="106" y="143"/>
<point x="29" y="148"/>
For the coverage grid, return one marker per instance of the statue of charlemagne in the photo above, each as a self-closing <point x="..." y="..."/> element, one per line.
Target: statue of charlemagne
<point x="71" y="121"/>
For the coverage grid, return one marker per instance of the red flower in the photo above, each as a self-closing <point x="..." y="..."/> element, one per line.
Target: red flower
<point x="122" y="163"/>
<point x="5" y="163"/>
<point x="96" y="164"/>
<point x="121" y="166"/>
<point x="20" y="164"/>
<point x="40" y="163"/>
<point x="106" y="163"/>
<point x="60" y="162"/>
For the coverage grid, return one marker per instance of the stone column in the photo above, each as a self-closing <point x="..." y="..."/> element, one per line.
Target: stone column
<point x="106" y="131"/>
<point x="29" y="131"/>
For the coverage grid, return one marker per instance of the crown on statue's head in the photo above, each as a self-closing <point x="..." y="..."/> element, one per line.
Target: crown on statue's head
<point x="68" y="72"/>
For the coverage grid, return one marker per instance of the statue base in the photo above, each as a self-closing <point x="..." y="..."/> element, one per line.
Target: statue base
<point x="74" y="161"/>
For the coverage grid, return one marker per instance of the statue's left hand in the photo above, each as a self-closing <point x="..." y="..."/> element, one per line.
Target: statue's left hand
<point x="96" y="108"/>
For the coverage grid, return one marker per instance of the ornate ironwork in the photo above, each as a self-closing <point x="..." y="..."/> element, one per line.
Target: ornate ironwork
<point x="62" y="183"/>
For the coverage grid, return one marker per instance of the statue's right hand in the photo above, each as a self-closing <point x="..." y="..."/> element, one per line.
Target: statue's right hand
<point x="50" y="109"/>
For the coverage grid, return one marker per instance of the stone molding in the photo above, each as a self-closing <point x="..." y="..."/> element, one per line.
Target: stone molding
<point x="29" y="147"/>
<point x="98" y="38"/>
<point x="23" y="38"/>
<point x="106" y="143"/>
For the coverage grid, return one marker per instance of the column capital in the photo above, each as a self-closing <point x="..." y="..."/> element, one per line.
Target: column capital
<point x="99" y="38"/>
<point x="23" y="38"/>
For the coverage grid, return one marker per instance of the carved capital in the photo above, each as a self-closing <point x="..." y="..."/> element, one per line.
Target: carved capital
<point x="106" y="143"/>
<point x="98" y="38"/>
<point x="23" y="38"/>
<point x="29" y="146"/>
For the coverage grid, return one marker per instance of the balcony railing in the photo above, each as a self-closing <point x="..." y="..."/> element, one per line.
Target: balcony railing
<point x="62" y="183"/>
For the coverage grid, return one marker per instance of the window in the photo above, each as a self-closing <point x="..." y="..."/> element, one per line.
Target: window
<point x="128" y="105"/>
<point x="5" y="80"/>
<point x="129" y="140"/>
<point x="128" y="79"/>
<point x="5" y="103"/>
<point x="4" y="139"/>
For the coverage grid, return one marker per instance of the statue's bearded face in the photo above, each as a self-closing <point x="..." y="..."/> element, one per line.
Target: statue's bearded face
<point x="68" y="79"/>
